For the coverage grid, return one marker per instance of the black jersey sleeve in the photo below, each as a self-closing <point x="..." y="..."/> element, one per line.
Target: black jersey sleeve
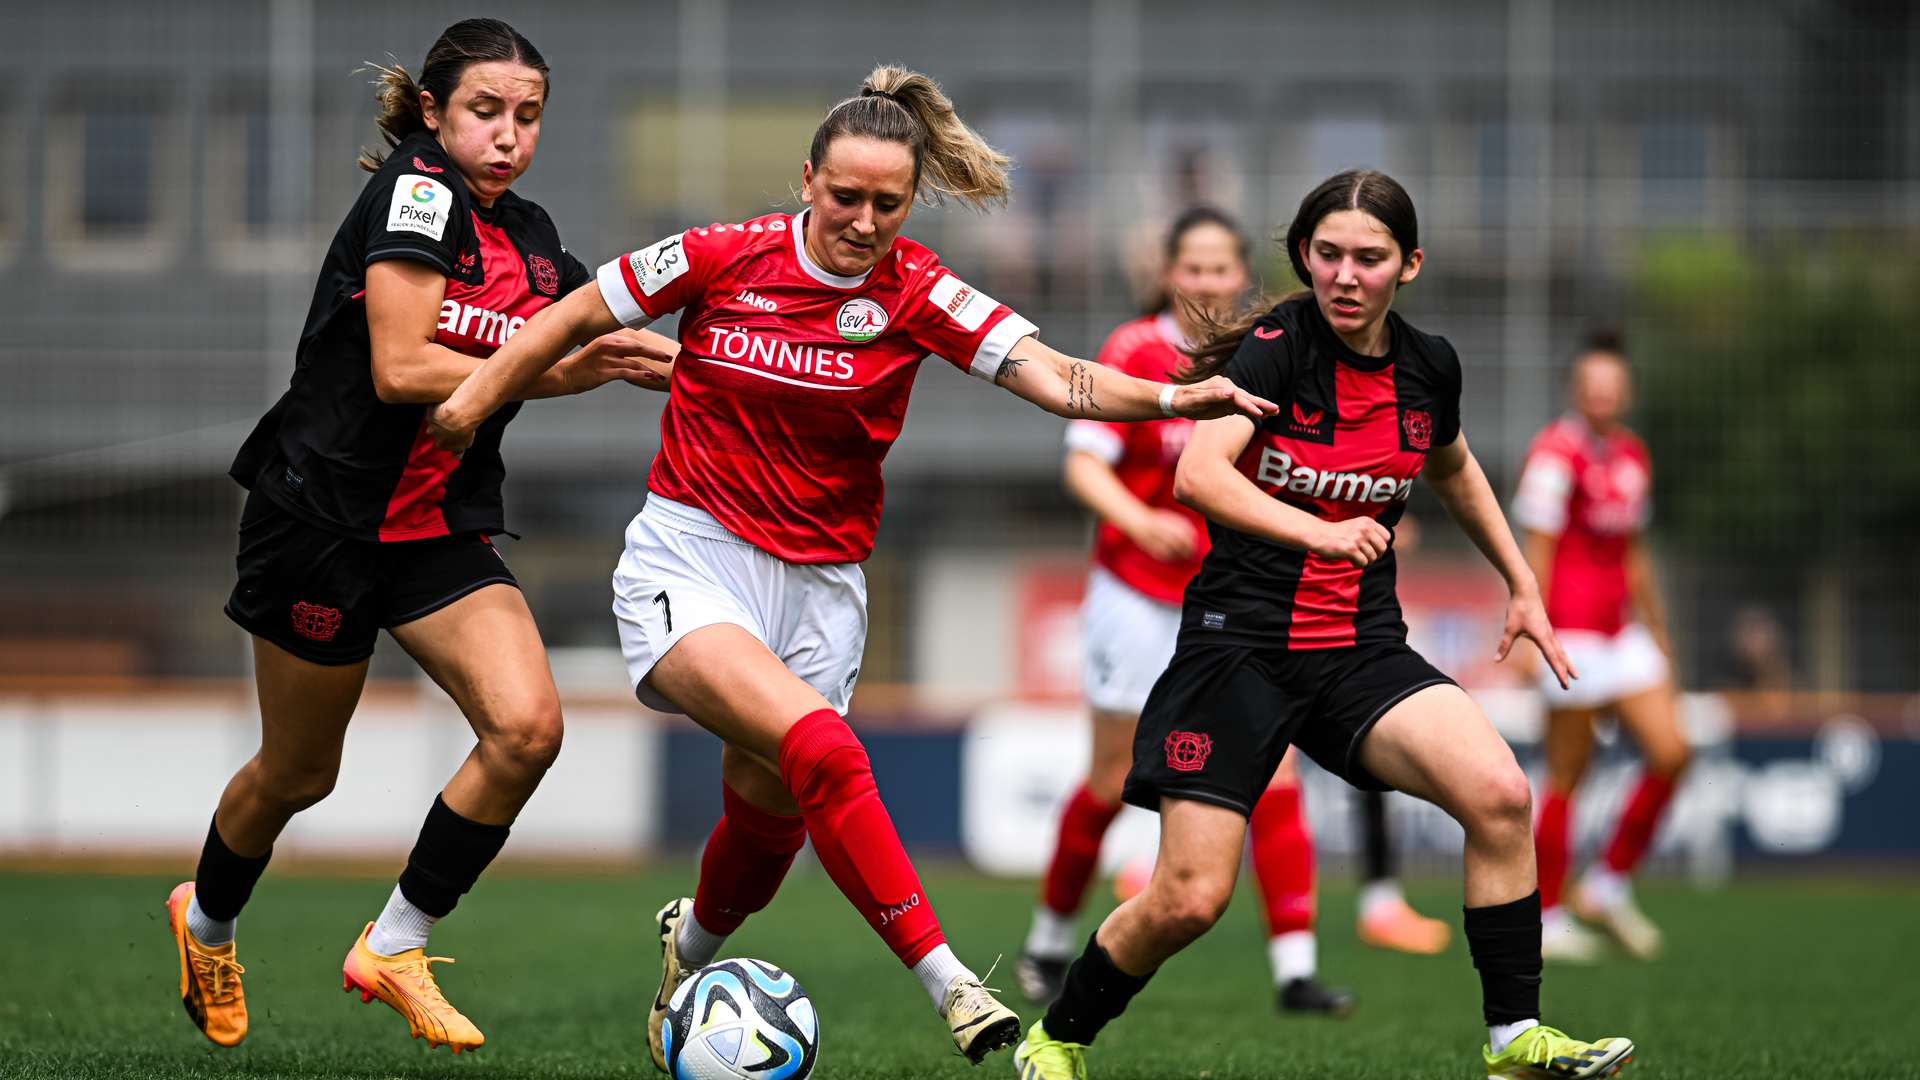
<point x="1263" y="364"/>
<point x="573" y="272"/>
<point x="415" y="208"/>
<point x="1446" y="394"/>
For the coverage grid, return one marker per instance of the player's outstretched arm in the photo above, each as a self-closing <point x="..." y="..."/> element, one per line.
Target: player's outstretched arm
<point x="1208" y="480"/>
<point x="579" y="317"/>
<point x="1456" y="477"/>
<point x="1082" y="389"/>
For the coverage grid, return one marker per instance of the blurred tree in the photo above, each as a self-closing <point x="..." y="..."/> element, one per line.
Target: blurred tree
<point x="1780" y="392"/>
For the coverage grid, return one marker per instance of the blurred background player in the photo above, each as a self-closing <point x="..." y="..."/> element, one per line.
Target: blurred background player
<point x="740" y="597"/>
<point x="1146" y="548"/>
<point x="1292" y="635"/>
<point x="355" y="522"/>
<point x="1584" y="500"/>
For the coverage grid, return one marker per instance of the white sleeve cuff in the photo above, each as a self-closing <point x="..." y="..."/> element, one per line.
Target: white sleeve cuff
<point x="1096" y="438"/>
<point x="998" y="342"/>
<point x="613" y="289"/>
<point x="1541" y="503"/>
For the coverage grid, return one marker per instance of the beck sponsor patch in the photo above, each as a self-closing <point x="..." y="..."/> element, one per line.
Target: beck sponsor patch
<point x="655" y="267"/>
<point x="421" y="205"/>
<point x="962" y="302"/>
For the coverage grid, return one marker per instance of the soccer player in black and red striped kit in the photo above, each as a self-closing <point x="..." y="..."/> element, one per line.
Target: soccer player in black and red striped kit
<point x="356" y="522"/>
<point x="1291" y="634"/>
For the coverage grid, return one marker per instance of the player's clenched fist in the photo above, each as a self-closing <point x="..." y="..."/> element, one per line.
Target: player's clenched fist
<point x="1358" y="540"/>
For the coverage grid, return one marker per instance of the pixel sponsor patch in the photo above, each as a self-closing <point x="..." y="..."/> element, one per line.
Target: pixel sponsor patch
<point x="421" y="205"/>
<point x="962" y="302"/>
<point x="655" y="267"/>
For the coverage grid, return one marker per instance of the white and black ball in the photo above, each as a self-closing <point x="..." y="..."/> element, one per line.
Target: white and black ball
<point x="740" y="1020"/>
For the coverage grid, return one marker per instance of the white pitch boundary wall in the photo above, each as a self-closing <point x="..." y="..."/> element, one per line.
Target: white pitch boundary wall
<point x="103" y="775"/>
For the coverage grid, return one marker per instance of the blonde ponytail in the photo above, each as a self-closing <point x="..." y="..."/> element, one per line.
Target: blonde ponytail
<point x="950" y="159"/>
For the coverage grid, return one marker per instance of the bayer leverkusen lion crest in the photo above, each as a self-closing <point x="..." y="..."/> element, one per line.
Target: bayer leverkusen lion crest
<point x="1419" y="428"/>
<point x="315" y="622"/>
<point x="1187" y="751"/>
<point x="545" y="277"/>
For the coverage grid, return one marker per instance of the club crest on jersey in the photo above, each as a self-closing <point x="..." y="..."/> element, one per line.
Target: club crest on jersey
<point x="546" y="277"/>
<point x="1187" y="751"/>
<point x="860" y="319"/>
<point x="1418" y="424"/>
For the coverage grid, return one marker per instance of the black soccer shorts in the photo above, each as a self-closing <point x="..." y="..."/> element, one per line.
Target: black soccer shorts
<point x="325" y="597"/>
<point x="1222" y="716"/>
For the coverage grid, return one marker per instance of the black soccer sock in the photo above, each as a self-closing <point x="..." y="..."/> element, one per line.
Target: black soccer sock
<point x="224" y="881"/>
<point x="1096" y="991"/>
<point x="1505" y="942"/>
<point x="1380" y="862"/>
<point x="448" y="859"/>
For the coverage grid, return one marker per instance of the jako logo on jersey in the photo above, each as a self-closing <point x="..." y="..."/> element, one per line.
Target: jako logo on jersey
<point x="1306" y="421"/>
<point x="1419" y="426"/>
<point x="1277" y="468"/>
<point x="545" y="277"/>
<point x="860" y="319"/>
<point x="748" y="296"/>
<point x="314" y="622"/>
<point x="733" y="343"/>
<point x="424" y="167"/>
<point x="1187" y="751"/>
<point x="481" y="325"/>
<point x="420" y="205"/>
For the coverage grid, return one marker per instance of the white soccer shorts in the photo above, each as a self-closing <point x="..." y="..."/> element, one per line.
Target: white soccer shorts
<point x="1611" y="667"/>
<point x="683" y="570"/>
<point x="1129" y="640"/>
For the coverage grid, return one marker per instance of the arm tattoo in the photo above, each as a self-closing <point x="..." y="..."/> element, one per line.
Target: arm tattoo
<point x="1007" y="370"/>
<point x="1080" y="400"/>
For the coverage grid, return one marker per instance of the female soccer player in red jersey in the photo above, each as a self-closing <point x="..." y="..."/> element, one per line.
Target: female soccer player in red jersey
<point x="739" y="597"/>
<point x="357" y="522"/>
<point x="1583" y="502"/>
<point x="1291" y="633"/>
<point x="1146" y="548"/>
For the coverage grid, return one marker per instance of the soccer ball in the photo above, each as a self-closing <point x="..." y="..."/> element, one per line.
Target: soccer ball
<point x="740" y="1020"/>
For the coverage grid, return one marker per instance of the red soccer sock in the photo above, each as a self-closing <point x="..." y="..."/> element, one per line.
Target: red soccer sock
<point x="1634" y="834"/>
<point x="1283" y="860"/>
<point x="1077" y="851"/>
<point x="745" y="860"/>
<point x="1550" y="846"/>
<point x="827" y="770"/>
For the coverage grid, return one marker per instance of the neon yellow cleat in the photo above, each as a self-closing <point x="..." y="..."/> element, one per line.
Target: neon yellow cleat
<point x="209" y="977"/>
<point x="405" y="982"/>
<point x="1039" y="1057"/>
<point x="1544" y="1053"/>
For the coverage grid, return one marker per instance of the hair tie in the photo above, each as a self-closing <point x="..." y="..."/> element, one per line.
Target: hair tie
<point x="870" y="92"/>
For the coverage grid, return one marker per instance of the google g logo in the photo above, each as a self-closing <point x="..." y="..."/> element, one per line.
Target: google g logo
<point x="423" y="191"/>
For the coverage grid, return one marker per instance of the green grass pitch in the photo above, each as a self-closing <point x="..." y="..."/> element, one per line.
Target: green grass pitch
<point x="1778" y="978"/>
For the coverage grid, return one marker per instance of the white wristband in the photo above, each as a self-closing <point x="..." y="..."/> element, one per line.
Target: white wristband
<point x="1166" y="400"/>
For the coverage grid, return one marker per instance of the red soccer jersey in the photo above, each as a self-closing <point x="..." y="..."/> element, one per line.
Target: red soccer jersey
<point x="1143" y="455"/>
<point x="792" y="382"/>
<point x="1593" y="493"/>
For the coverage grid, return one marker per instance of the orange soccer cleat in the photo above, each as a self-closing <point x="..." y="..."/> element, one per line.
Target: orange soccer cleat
<point x="209" y="977"/>
<point x="406" y="983"/>
<point x="1393" y="924"/>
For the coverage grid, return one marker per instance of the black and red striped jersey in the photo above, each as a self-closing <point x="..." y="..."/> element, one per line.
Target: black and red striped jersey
<point x="330" y="451"/>
<point x="1351" y="434"/>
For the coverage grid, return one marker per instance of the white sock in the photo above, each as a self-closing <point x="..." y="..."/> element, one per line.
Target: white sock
<point x="1292" y="956"/>
<point x="1605" y="888"/>
<point x="1051" y="935"/>
<point x="1556" y="918"/>
<point x="697" y="944"/>
<point x="1499" y="1035"/>
<point x="206" y="929"/>
<point x="1374" y="894"/>
<point x="937" y="970"/>
<point x="401" y="926"/>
